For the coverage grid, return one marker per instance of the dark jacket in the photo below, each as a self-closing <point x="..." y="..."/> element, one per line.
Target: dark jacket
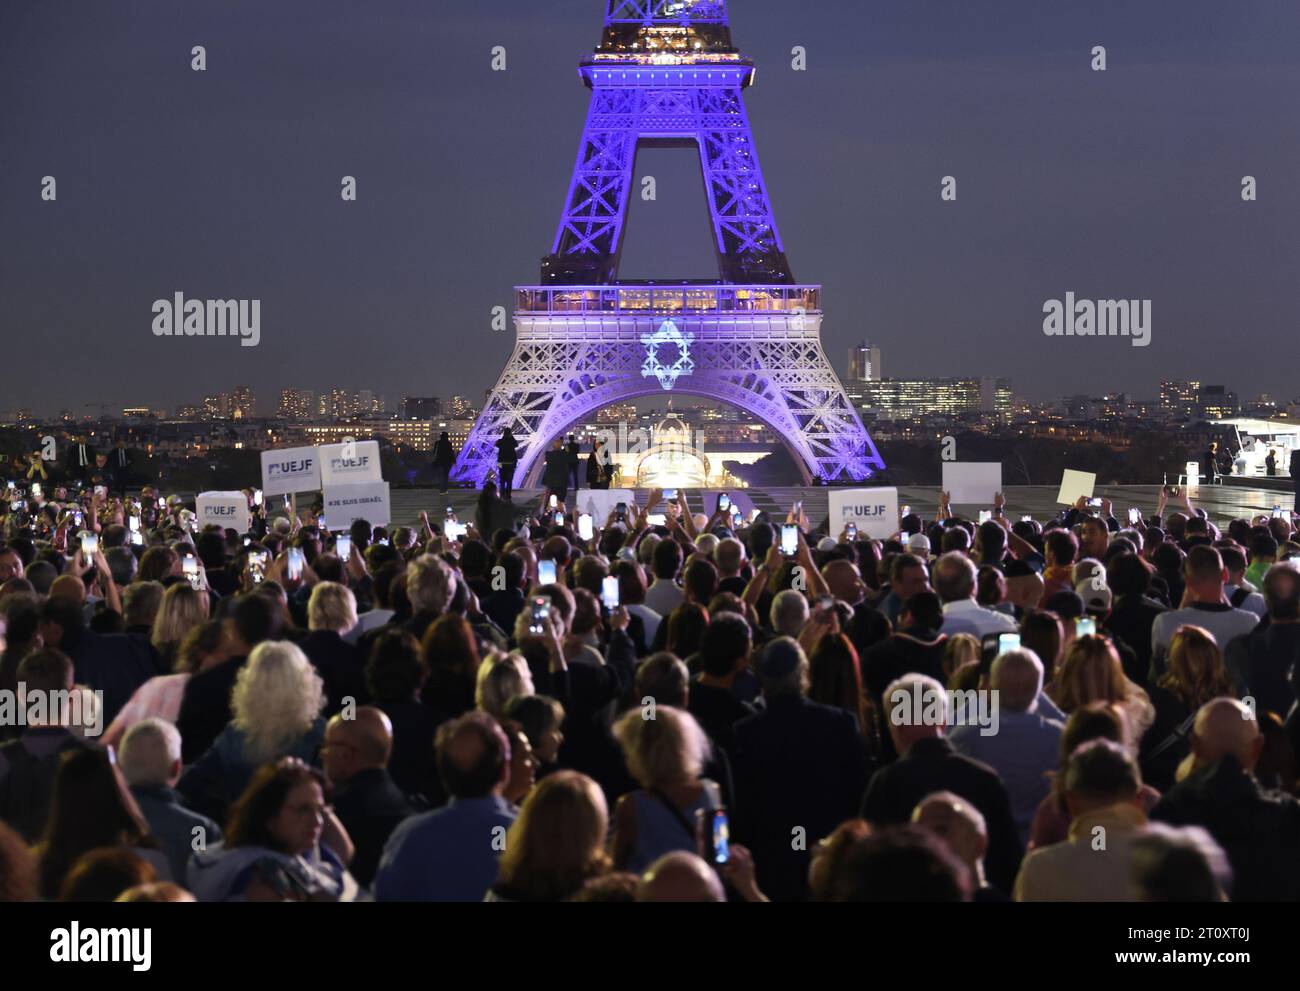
<point x="114" y="663"/>
<point x="341" y="666"/>
<point x="205" y="707"/>
<point x="933" y="765"/>
<point x="1258" y="829"/>
<point x="798" y="764"/>
<point x="1131" y="619"/>
<point x="173" y="825"/>
<point x="27" y="768"/>
<point x="1264" y="663"/>
<point x="507" y="449"/>
<point x="556" y="473"/>
<point x="444" y="456"/>
<point x="214" y="782"/>
<point x="370" y="806"/>
<point x="413" y="764"/>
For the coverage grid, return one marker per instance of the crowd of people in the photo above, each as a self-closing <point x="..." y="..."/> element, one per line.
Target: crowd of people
<point x="707" y="709"/>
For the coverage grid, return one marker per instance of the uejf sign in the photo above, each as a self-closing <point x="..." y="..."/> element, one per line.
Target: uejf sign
<point x="350" y="462"/>
<point x="873" y="511"/>
<point x="228" y="510"/>
<point x="289" y="470"/>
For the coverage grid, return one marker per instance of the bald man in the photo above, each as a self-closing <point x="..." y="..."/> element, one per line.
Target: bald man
<point x="1025" y="745"/>
<point x="680" y="877"/>
<point x="1258" y="828"/>
<point x="368" y="803"/>
<point x="961" y="826"/>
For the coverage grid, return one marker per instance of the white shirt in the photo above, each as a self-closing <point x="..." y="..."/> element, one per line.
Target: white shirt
<point x="664" y="596"/>
<point x="968" y="616"/>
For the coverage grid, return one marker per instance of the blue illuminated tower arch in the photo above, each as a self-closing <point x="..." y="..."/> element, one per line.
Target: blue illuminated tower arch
<point x="666" y="71"/>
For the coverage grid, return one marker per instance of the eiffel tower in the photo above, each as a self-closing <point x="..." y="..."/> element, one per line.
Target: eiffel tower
<point x="666" y="73"/>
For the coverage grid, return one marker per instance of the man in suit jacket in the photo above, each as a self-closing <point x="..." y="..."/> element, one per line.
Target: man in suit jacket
<point x="79" y="462"/>
<point x="799" y="769"/>
<point x="929" y="763"/>
<point x="368" y="803"/>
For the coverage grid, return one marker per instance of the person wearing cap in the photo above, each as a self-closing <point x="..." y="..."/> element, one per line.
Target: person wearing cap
<point x="800" y="768"/>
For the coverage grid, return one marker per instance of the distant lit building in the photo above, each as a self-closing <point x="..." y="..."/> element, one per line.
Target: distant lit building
<point x="296" y="404"/>
<point x="216" y="406"/>
<point x="617" y="413"/>
<point x="421" y="407"/>
<point x="864" y="363"/>
<point x="1217" y="403"/>
<point x="1180" y="399"/>
<point x="917" y="398"/>
<point x="461" y="408"/>
<point x="243" y="403"/>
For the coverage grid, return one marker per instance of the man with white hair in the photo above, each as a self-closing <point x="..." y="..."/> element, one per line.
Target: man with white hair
<point x="789" y="613"/>
<point x="954" y="580"/>
<point x="331" y="613"/>
<point x="916" y="708"/>
<point x="1026" y="747"/>
<point x="430" y="587"/>
<point x="1258" y="828"/>
<point x="959" y="825"/>
<point x="150" y="759"/>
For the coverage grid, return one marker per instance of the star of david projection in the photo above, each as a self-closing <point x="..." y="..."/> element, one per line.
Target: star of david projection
<point x="667" y="374"/>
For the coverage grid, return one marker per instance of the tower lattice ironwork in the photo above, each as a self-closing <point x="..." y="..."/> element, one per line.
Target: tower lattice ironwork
<point x="666" y="72"/>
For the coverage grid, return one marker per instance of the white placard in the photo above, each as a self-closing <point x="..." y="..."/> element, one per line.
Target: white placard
<point x="228" y="510"/>
<point x="289" y="470"/>
<point x="972" y="483"/>
<point x="1075" y="484"/>
<point x="349" y="463"/>
<point x="1193" y="471"/>
<point x="367" y="501"/>
<point x="599" y="502"/>
<point x="873" y="511"/>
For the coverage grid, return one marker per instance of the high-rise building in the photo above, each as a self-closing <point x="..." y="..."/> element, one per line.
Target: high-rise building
<point x="296" y="404"/>
<point x="461" y="408"/>
<point x="1216" y="403"/>
<point x="421" y="407"/>
<point x="864" y="363"/>
<point x="216" y="406"/>
<point x="1181" y="399"/>
<point x="242" y="403"/>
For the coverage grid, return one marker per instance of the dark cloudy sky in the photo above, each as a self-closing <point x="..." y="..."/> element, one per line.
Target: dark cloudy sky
<point x="225" y="183"/>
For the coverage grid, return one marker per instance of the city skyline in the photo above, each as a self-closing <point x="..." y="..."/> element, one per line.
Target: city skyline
<point x="1133" y="192"/>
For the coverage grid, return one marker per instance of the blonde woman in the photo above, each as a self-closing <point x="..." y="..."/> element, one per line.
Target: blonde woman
<point x="183" y="608"/>
<point x="1195" y="674"/>
<point x="502" y="677"/>
<point x="665" y="756"/>
<point x="558" y="842"/>
<point x="277" y="703"/>
<point x="1092" y="672"/>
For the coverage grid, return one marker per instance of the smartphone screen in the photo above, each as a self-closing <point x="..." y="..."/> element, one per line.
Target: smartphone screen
<point x="717" y="837"/>
<point x="670" y="494"/>
<point x="789" y="539"/>
<point x="724" y="502"/>
<point x="1008" y="641"/>
<point x="89" y="544"/>
<point x="584" y="526"/>
<point x="257" y="497"/>
<point x="451" y="513"/>
<point x="137" y="538"/>
<point x="737" y="521"/>
<point x="985" y="515"/>
<point x="295" y="562"/>
<point x="257" y="566"/>
<point x="343" y="546"/>
<point x="609" y="592"/>
<point x="852" y="531"/>
<point x="559" y="518"/>
<point x="134" y="521"/>
<point x="621" y="509"/>
<point x="1134" y="516"/>
<point x="553" y="501"/>
<point x="541" y="609"/>
<point x="1085" y="626"/>
<point x="546" y="572"/>
<point x="656" y="519"/>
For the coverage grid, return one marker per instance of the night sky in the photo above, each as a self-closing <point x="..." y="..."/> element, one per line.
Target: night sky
<point x="225" y="183"/>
